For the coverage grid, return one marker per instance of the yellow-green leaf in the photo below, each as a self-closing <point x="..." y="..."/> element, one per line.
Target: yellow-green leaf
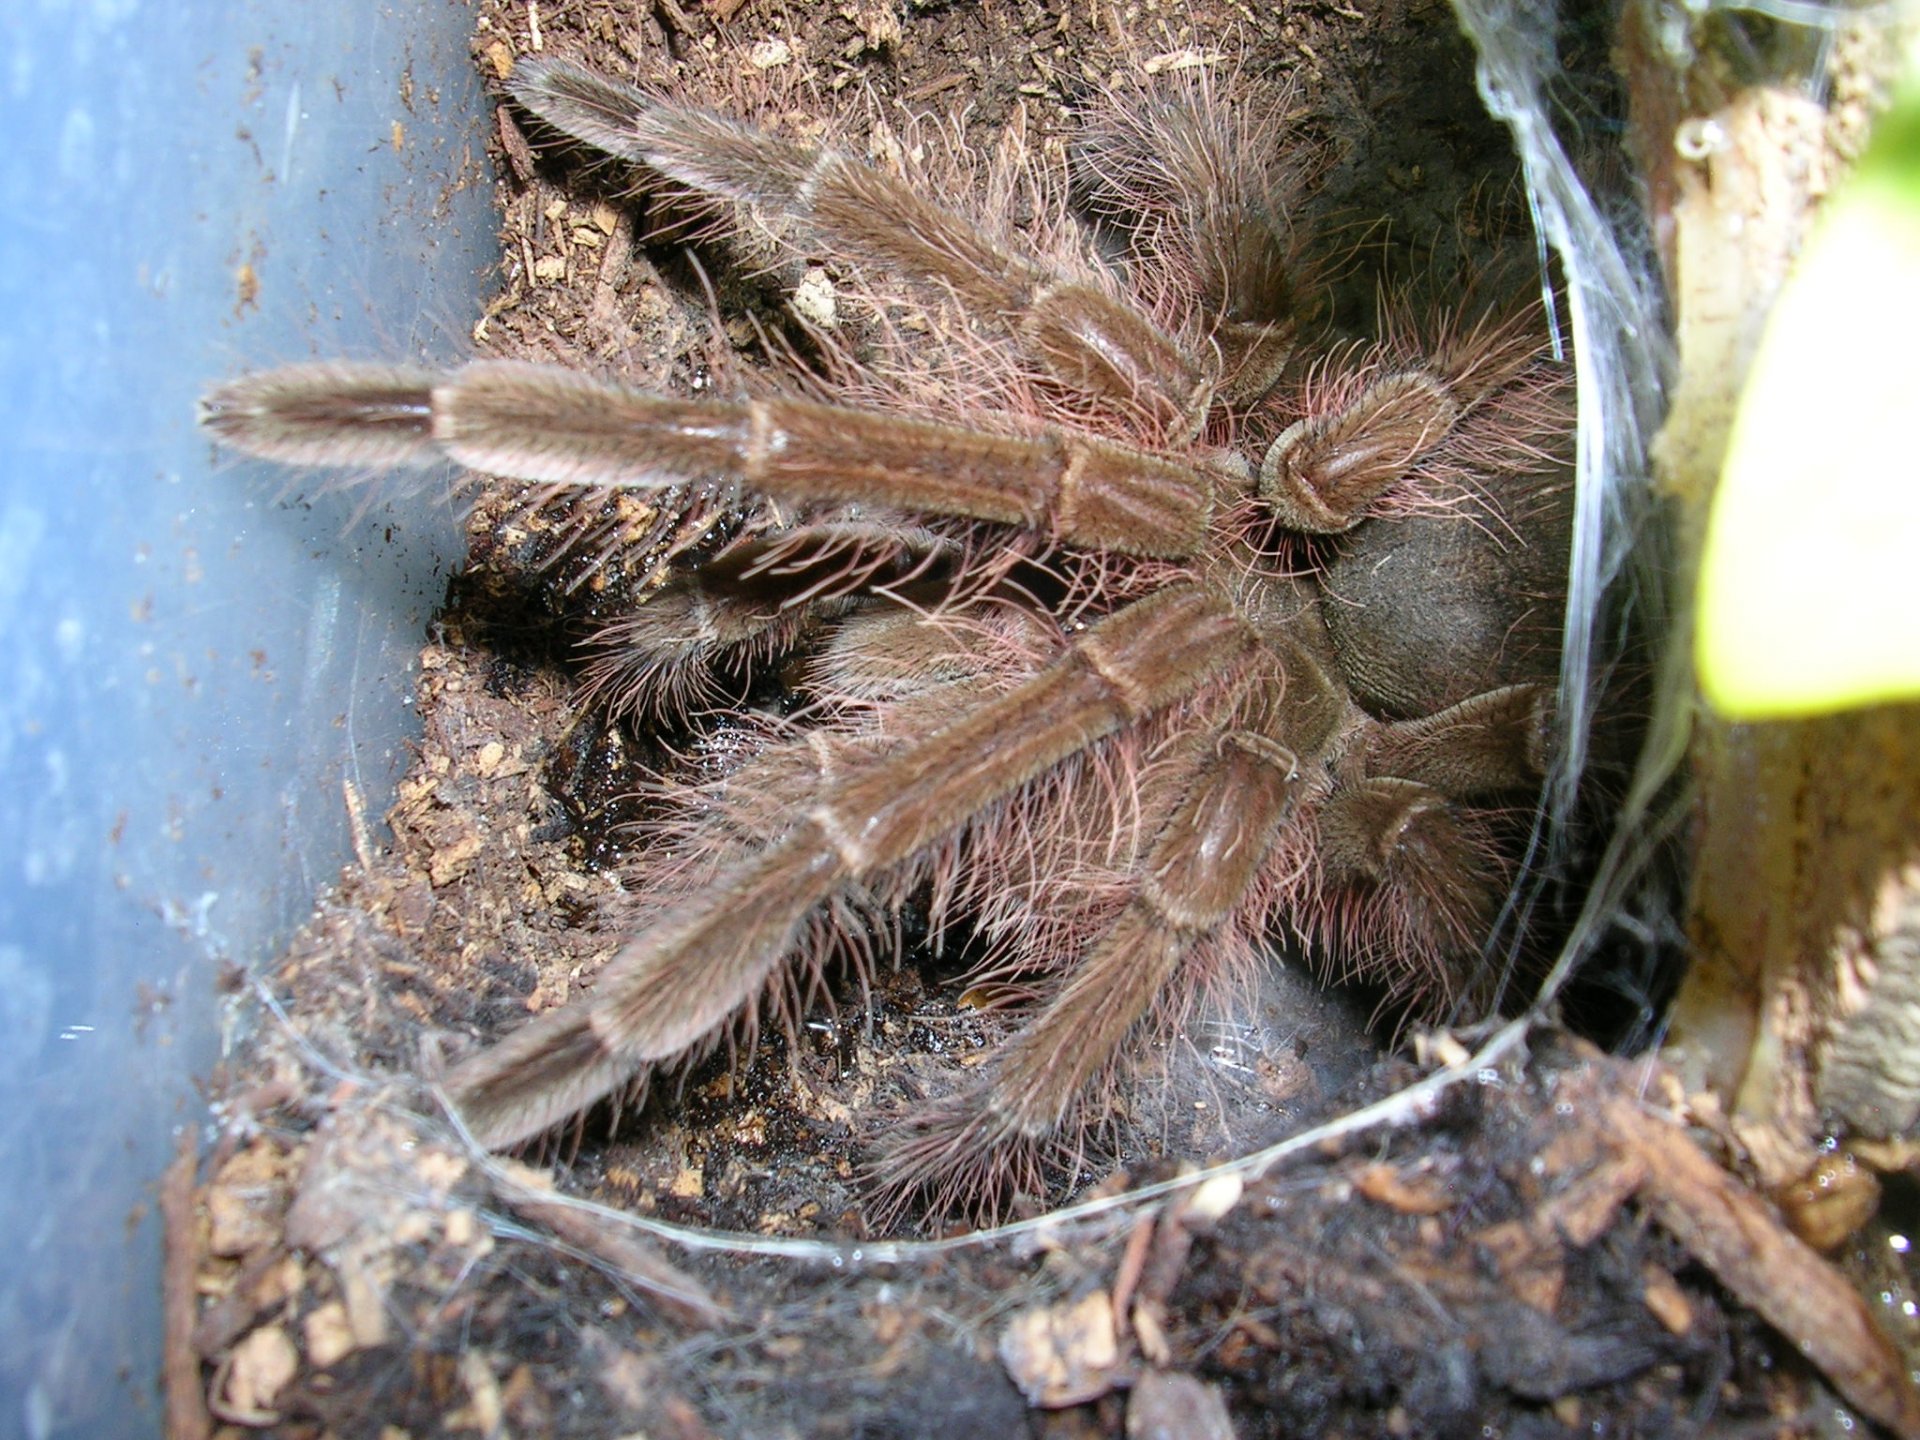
<point x="1809" y="595"/>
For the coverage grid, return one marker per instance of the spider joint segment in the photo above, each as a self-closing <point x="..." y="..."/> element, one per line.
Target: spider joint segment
<point x="1323" y="472"/>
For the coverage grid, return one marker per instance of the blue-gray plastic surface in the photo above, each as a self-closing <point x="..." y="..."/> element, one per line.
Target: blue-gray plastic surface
<point x="192" y="665"/>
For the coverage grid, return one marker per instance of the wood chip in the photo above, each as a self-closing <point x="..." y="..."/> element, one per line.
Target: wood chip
<point x="1727" y="1228"/>
<point x="1667" y="1300"/>
<point x="1062" y="1355"/>
<point x="329" y="1337"/>
<point x="1151" y="1334"/>
<point x="246" y="1202"/>
<point x="1528" y="1263"/>
<point x="453" y="860"/>
<point x="187" y="1417"/>
<point x="1831" y="1201"/>
<point x="255" y="1374"/>
<point x="485" y="1410"/>
<point x="1410" y="1194"/>
<point x="1172" y="1405"/>
<point x="1586" y="1209"/>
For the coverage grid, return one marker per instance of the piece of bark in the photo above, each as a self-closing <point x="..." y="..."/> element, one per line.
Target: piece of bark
<point x="1727" y="1228"/>
<point x="187" y="1417"/>
<point x="606" y="1240"/>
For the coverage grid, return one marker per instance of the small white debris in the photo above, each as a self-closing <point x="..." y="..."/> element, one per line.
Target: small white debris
<point x="1213" y="1198"/>
<point x="768" y="54"/>
<point x="815" y="301"/>
<point x="1063" y="1354"/>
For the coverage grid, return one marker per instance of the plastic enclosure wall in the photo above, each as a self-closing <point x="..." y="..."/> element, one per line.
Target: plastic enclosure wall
<point x="192" y="661"/>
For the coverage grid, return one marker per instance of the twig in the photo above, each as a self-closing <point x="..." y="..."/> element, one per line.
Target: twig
<point x="1727" y="1228"/>
<point x="187" y="1417"/>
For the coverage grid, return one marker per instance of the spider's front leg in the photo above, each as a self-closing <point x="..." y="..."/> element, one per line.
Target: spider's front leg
<point x="554" y="426"/>
<point x="673" y="989"/>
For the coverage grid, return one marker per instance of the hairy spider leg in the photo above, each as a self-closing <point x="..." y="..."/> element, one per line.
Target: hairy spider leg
<point x="1079" y="334"/>
<point x="547" y="424"/>
<point x="1205" y="187"/>
<point x="672" y="989"/>
<point x="757" y="599"/>
<point x="1269" y="750"/>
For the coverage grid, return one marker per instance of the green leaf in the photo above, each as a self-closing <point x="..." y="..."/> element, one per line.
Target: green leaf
<point x="1809" y="594"/>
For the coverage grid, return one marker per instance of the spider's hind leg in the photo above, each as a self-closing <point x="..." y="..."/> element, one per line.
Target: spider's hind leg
<point x="712" y="961"/>
<point x="977" y="1149"/>
<point x="1197" y="910"/>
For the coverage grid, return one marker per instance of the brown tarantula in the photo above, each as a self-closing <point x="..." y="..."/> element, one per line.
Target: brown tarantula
<point x="1122" y="627"/>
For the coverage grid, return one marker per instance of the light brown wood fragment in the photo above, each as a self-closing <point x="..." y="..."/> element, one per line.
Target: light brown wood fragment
<point x="255" y="1373"/>
<point x="187" y="1417"/>
<point x="1585" y="1210"/>
<point x="245" y="1201"/>
<point x="1528" y="1262"/>
<point x="1727" y="1228"/>
<point x="329" y="1336"/>
<point x="1126" y="1275"/>
<point x="1064" y="1354"/>
<point x="1150" y="1334"/>
<point x="485" y="1410"/>
<point x="621" y="1250"/>
<point x="1828" y="1204"/>
<point x="1665" y="1299"/>
<point x="1408" y="1192"/>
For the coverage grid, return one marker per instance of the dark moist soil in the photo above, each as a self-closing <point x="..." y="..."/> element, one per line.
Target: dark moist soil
<point x="346" y="1267"/>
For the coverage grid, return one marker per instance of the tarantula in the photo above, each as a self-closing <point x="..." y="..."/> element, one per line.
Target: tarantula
<point x="1124" y="628"/>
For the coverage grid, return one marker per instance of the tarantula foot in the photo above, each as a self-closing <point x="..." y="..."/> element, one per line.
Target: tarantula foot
<point x="1323" y="472"/>
<point x="327" y="414"/>
<point x="1431" y="872"/>
<point x="1253" y="356"/>
<point x="959" y="1156"/>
